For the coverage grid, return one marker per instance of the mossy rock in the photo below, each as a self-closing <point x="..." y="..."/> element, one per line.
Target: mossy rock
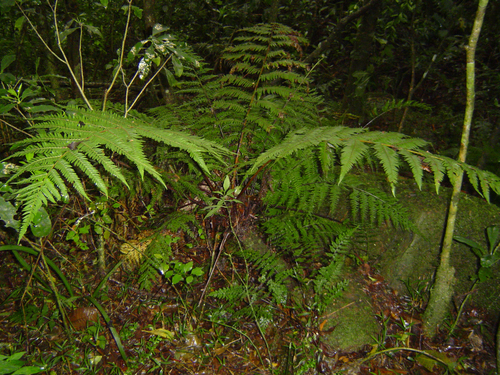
<point x="412" y="258"/>
<point x="353" y="320"/>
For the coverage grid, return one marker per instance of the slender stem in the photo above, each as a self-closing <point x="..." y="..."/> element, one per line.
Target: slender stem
<point x="38" y="34"/>
<point x="80" y="56"/>
<point x="119" y="68"/>
<point x="407" y="349"/>
<point x="461" y="308"/>
<point x="146" y="85"/>
<point x="65" y="58"/>
<point x="442" y="292"/>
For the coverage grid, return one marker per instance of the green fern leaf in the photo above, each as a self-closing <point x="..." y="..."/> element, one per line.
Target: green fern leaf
<point x="79" y="138"/>
<point x="352" y="153"/>
<point x="302" y="139"/>
<point x="437" y="168"/>
<point x="389" y="159"/>
<point x="415" y="164"/>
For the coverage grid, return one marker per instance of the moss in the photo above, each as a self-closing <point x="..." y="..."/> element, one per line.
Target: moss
<point x="354" y="320"/>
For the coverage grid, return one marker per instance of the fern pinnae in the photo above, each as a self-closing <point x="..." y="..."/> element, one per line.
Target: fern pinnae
<point x="453" y="169"/>
<point x="352" y="152"/>
<point x="484" y="176"/>
<point x="414" y="162"/>
<point x="97" y="154"/>
<point x="389" y="160"/>
<point x="34" y="196"/>
<point x="65" y="168"/>
<point x="59" y="190"/>
<point x="50" y="190"/>
<point x="437" y="169"/>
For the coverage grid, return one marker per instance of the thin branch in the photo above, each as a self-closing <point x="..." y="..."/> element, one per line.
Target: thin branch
<point x="15" y="128"/>
<point x="81" y="58"/>
<point x="146" y="84"/>
<point x="66" y="61"/>
<point x="119" y="68"/>
<point x="38" y="34"/>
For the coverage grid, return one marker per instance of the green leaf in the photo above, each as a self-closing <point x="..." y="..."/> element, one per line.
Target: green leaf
<point x="137" y="11"/>
<point x="197" y="271"/>
<point x="476" y="248"/>
<point x="470" y="243"/>
<point x="7" y="213"/>
<point x="489" y="260"/>
<point x="42" y="108"/>
<point x="64" y="34"/>
<point x="227" y="183"/>
<point x="98" y="229"/>
<point x="178" y="67"/>
<point x="27" y="370"/>
<point x="176" y="279"/>
<point x="492" y="234"/>
<point x="389" y="159"/>
<point x="41" y="225"/>
<point x="18" y="25"/>
<point x="352" y="153"/>
<point x="484" y="273"/>
<point x="8" y="367"/>
<point x="6" y="61"/>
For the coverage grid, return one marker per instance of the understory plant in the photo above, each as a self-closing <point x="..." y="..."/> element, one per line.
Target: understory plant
<point x="249" y="151"/>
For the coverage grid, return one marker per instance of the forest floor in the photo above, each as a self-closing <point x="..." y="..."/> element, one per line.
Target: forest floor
<point x="168" y="331"/>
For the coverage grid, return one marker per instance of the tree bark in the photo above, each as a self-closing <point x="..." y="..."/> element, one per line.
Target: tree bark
<point x="442" y="292"/>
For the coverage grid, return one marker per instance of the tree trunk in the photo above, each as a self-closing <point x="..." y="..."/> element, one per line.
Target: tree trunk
<point x="442" y="291"/>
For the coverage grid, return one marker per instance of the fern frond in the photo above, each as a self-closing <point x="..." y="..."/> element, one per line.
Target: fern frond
<point x="155" y="259"/>
<point x="414" y="162"/>
<point x="352" y="152"/>
<point x="437" y="169"/>
<point x="376" y="207"/>
<point x="259" y="94"/>
<point x="389" y="160"/>
<point x="354" y="144"/>
<point x="79" y="138"/>
<point x="302" y="139"/>
<point x="234" y="293"/>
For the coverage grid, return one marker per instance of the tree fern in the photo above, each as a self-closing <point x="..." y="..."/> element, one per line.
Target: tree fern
<point x="257" y="97"/>
<point x="79" y="138"/>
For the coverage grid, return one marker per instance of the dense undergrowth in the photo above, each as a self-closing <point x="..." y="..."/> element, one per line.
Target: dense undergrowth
<point x="203" y="237"/>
